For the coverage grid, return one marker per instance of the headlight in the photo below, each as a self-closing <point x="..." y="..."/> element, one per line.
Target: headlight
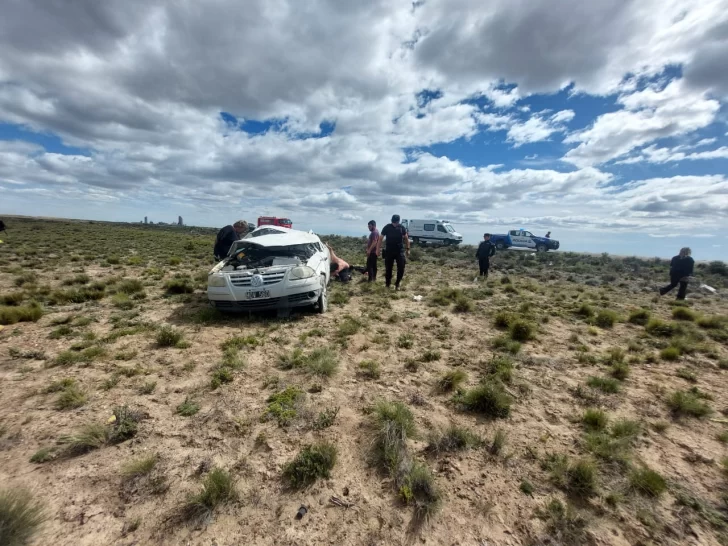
<point x="216" y="281"/>
<point x="301" y="272"/>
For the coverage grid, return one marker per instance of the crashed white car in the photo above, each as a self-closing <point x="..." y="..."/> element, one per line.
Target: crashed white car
<point x="272" y="268"/>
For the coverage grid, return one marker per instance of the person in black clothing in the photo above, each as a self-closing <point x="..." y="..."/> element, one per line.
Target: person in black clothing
<point x="485" y="251"/>
<point x="227" y="236"/>
<point x="397" y="245"/>
<point x="681" y="267"/>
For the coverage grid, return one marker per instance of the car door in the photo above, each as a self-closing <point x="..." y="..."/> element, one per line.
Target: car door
<point x="441" y="233"/>
<point x="529" y="238"/>
<point x="517" y="238"/>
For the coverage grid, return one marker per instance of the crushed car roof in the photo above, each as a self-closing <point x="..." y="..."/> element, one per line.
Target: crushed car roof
<point x="290" y="237"/>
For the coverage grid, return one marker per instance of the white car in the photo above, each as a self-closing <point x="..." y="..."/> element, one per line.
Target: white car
<point x="272" y="268"/>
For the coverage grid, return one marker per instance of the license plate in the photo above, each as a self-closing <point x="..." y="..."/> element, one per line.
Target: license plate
<point x="257" y="294"/>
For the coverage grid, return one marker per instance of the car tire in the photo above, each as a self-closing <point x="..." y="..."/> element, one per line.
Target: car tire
<point x="541" y="248"/>
<point x="500" y="246"/>
<point x="322" y="304"/>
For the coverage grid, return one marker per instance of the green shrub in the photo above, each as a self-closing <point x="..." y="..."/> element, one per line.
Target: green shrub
<point x="26" y="313"/>
<point x="500" y="368"/>
<point x="130" y="286"/>
<point x="463" y="305"/>
<point x="712" y="323"/>
<point x="620" y="370"/>
<point x="488" y="398"/>
<point x="122" y="301"/>
<point x="595" y="419"/>
<point x="239" y="342"/>
<point x="647" y="482"/>
<point x="89" y="437"/>
<point x="683" y="313"/>
<point x="405" y="341"/>
<point x="312" y="462"/>
<point x="71" y="397"/>
<point x="179" y="285"/>
<point x="687" y="404"/>
<point x="604" y="384"/>
<point x="220" y="375"/>
<point x="188" y="407"/>
<point x="322" y="361"/>
<point x="521" y="330"/>
<point x="418" y="488"/>
<point x="687" y="374"/>
<point x="430" y="355"/>
<point x="453" y="439"/>
<point x="563" y="523"/>
<point x="639" y="316"/>
<point x="217" y="489"/>
<point x="581" y="478"/>
<point x="124" y="426"/>
<point x="605" y="318"/>
<point x="370" y="368"/>
<point x="43" y="455"/>
<point x="12" y="299"/>
<point x="503" y="343"/>
<point x="503" y="320"/>
<point x="168" y="336"/>
<point x="659" y="328"/>
<point x="139" y="467"/>
<point x="452" y="380"/>
<point x="20" y="516"/>
<point x="670" y="353"/>
<point x="585" y="310"/>
<point x="283" y="405"/>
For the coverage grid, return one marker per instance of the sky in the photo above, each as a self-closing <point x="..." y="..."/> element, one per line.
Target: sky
<point x="604" y="122"/>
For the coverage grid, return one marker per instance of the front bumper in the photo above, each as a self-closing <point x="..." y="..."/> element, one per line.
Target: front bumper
<point x="291" y="294"/>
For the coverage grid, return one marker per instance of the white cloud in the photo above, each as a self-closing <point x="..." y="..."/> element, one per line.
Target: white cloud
<point x="647" y="115"/>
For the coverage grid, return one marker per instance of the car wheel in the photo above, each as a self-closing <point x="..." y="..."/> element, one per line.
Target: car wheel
<point x="500" y="246"/>
<point x="541" y="248"/>
<point x="322" y="304"/>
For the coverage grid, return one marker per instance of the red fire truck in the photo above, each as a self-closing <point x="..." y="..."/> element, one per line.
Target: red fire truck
<point x="273" y="221"/>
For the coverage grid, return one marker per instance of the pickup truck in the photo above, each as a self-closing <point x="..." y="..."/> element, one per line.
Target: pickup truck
<point x="519" y="238"/>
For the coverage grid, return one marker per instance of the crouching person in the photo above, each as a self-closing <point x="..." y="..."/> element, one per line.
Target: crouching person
<point x="681" y="267"/>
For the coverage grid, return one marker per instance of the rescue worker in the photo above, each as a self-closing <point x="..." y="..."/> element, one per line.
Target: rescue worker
<point x="227" y="236"/>
<point x="396" y="250"/>
<point x="486" y="249"/>
<point x="372" y="251"/>
<point x="681" y="267"/>
<point x="548" y="235"/>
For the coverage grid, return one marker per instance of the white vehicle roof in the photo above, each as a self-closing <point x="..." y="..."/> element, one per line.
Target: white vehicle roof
<point x="285" y="238"/>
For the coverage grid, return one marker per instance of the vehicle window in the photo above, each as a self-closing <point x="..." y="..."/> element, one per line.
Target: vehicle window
<point x="441" y="228"/>
<point x="527" y="234"/>
<point x="429" y="227"/>
<point x="450" y="228"/>
<point x="513" y="232"/>
<point x="264" y="231"/>
<point x="259" y="256"/>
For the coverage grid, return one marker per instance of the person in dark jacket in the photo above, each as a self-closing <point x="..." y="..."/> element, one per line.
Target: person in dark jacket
<point x="398" y="244"/>
<point x="681" y="267"/>
<point x="485" y="251"/>
<point x="227" y="236"/>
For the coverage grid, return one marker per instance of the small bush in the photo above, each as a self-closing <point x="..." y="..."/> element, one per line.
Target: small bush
<point x="683" y="313"/>
<point x="312" y="462"/>
<point x="659" y="328"/>
<point x="463" y="304"/>
<point x="221" y="375"/>
<point x="498" y="443"/>
<point x="239" y="342"/>
<point x="12" y="299"/>
<point x="122" y="301"/>
<point x="503" y="343"/>
<point x="89" y="437"/>
<point x="639" y="317"/>
<point x="148" y="387"/>
<point x="527" y="488"/>
<point x="604" y="384"/>
<point x="521" y="330"/>
<point x="585" y="310"/>
<point x="624" y="428"/>
<point x="124" y="425"/>
<point x="647" y="482"/>
<point x="687" y="374"/>
<point x="503" y="320"/>
<point x="20" y="516"/>
<point x="139" y="467"/>
<point x="620" y="371"/>
<point x="348" y="327"/>
<point x="452" y="380"/>
<point x="581" y="478"/>
<point x="130" y="286"/>
<point x="489" y="399"/>
<point x="670" y="353"/>
<point x="169" y="336"/>
<point x="188" y="407"/>
<point x="687" y="404"/>
<point x="595" y="419"/>
<point x="712" y="323"/>
<point x="405" y="341"/>
<point x="418" y="488"/>
<point x="26" y="313"/>
<point x="431" y="355"/>
<point x="322" y="361"/>
<point x="326" y="418"/>
<point x="563" y="524"/>
<point x="283" y="405"/>
<point x="370" y="368"/>
<point x="217" y="489"/>
<point x="179" y="285"/>
<point x="453" y="439"/>
<point x="605" y="318"/>
<point x="43" y="455"/>
<point x="500" y="368"/>
<point x="71" y="397"/>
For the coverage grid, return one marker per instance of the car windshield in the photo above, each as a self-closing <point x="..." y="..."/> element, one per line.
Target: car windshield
<point x="250" y="255"/>
<point x="284" y="222"/>
<point x="449" y="228"/>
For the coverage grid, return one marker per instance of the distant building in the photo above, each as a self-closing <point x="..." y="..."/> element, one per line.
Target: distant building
<point x="145" y="220"/>
<point x="179" y="221"/>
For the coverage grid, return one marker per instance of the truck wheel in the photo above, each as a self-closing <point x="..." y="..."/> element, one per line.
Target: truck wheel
<point x="322" y="304"/>
<point x="500" y="246"/>
<point x="541" y="248"/>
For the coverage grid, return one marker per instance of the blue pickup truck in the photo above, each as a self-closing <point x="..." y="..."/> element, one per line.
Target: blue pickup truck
<point x="520" y="238"/>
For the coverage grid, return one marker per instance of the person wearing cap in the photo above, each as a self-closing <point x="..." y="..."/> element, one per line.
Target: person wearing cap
<point x="227" y="236"/>
<point x="548" y="235"/>
<point x="372" y="250"/>
<point x="485" y="251"/>
<point x="398" y="245"/>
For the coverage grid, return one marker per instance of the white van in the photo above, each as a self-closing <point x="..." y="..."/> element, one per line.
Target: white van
<point x="439" y="232"/>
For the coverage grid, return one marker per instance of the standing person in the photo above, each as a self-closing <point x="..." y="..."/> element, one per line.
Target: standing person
<point x="372" y="251"/>
<point x="227" y="236"/>
<point x="397" y="245"/>
<point x="681" y="267"/>
<point x="548" y="235"/>
<point x="486" y="249"/>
